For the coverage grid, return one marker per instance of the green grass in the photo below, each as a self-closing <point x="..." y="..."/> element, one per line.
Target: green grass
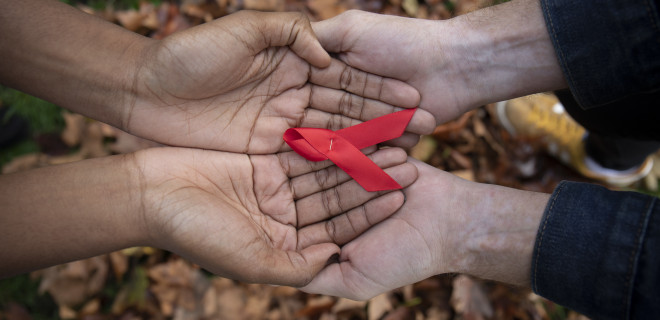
<point x="23" y="291"/>
<point x="41" y="116"/>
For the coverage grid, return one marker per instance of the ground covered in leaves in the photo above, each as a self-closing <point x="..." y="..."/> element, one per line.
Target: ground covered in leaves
<point x="147" y="283"/>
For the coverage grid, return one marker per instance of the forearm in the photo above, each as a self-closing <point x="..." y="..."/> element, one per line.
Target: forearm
<point x="501" y="52"/>
<point x="63" y="55"/>
<point x="499" y="233"/>
<point x="63" y="213"/>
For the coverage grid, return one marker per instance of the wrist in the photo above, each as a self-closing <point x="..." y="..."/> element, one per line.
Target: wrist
<point x="501" y="52"/>
<point x="500" y="232"/>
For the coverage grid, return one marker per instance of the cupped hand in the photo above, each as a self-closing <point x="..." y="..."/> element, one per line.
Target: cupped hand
<point x="410" y="50"/>
<point x="260" y="218"/>
<point x="489" y="55"/>
<point x="446" y="225"/>
<point x="237" y="83"/>
<point x="400" y="250"/>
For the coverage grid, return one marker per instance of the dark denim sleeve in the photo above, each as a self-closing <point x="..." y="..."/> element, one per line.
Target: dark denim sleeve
<point x="607" y="49"/>
<point x="598" y="252"/>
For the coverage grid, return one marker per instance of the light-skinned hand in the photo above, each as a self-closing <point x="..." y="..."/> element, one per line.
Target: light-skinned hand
<point x="488" y="55"/>
<point x="446" y="225"/>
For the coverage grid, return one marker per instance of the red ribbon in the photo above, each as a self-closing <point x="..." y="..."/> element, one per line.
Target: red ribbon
<point x="343" y="147"/>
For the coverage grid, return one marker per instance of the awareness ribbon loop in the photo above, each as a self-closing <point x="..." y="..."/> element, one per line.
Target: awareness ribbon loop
<point x="343" y="147"/>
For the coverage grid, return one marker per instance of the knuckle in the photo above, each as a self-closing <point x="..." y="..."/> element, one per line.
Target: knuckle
<point x="365" y="214"/>
<point x="331" y="229"/>
<point x="345" y="103"/>
<point x="346" y="77"/>
<point x="399" y="155"/>
<point x="326" y="200"/>
<point x="321" y="177"/>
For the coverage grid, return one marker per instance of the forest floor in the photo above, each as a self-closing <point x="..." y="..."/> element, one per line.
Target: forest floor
<point x="147" y="283"/>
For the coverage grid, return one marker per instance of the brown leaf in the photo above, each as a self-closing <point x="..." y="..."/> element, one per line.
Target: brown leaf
<point x="25" y="162"/>
<point x="344" y="304"/>
<point x="469" y="298"/>
<point x="410" y="7"/>
<point x="400" y="313"/>
<point x="72" y="283"/>
<point x="170" y="20"/>
<point x="92" y="141"/>
<point x="378" y="306"/>
<point x="316" y="306"/>
<point x="444" y="131"/>
<point x="230" y="299"/>
<point x="465" y="174"/>
<point x="67" y="313"/>
<point x="326" y="9"/>
<point x="284" y="291"/>
<point x="91" y="307"/>
<point x="127" y="143"/>
<point x="424" y="149"/>
<point x="74" y="126"/>
<point x="462" y="161"/>
<point x="119" y="262"/>
<point x="77" y="156"/>
<point x="209" y="302"/>
<point x="14" y="311"/>
<point x="435" y="313"/>
<point x="130" y="19"/>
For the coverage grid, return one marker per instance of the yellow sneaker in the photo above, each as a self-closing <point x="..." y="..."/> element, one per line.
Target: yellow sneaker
<point x="543" y="116"/>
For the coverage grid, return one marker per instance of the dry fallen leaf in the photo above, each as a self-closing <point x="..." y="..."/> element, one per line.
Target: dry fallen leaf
<point x="326" y="9"/>
<point x="119" y="262"/>
<point x="74" y="126"/>
<point x="424" y="149"/>
<point x="379" y="306"/>
<point x="344" y="305"/>
<point x="25" y="162"/>
<point x="410" y="7"/>
<point x="176" y="284"/>
<point x="73" y="283"/>
<point x="127" y="143"/>
<point x="469" y="299"/>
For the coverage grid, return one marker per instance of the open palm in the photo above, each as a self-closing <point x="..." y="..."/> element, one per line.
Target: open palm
<point x="413" y="244"/>
<point x="261" y="218"/>
<point x="237" y="83"/>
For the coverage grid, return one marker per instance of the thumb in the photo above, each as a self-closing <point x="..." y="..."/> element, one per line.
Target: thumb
<point x="338" y="33"/>
<point x="298" y="268"/>
<point x="328" y="33"/>
<point x="338" y="279"/>
<point x="294" y="30"/>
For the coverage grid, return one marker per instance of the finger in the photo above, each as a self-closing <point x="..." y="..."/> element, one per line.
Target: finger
<point x="340" y="102"/>
<point x="344" y="197"/>
<point x="319" y="119"/>
<point x="342" y="76"/>
<point x="295" y="165"/>
<point x="329" y="177"/>
<point x="293" y="268"/>
<point x="332" y="32"/>
<point x="346" y="227"/>
<point x="343" y="280"/>
<point x="294" y="30"/>
<point x="406" y="141"/>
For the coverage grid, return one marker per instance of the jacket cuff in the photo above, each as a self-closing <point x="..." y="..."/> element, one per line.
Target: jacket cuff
<point x="591" y="252"/>
<point x="608" y="50"/>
